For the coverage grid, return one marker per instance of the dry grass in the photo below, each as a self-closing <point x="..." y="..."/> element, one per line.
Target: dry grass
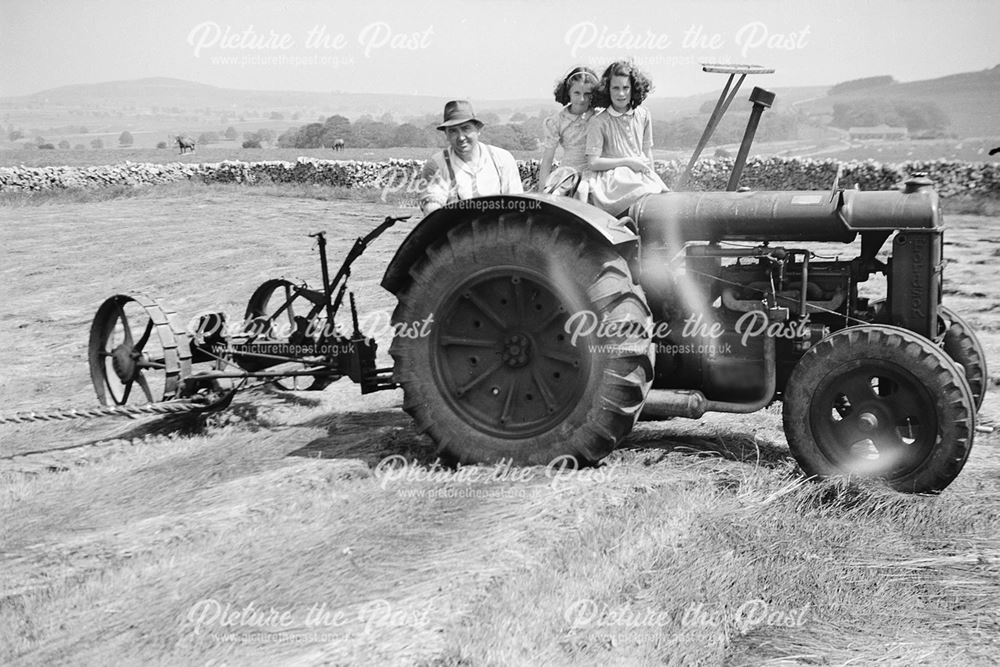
<point x="278" y="502"/>
<point x="180" y="189"/>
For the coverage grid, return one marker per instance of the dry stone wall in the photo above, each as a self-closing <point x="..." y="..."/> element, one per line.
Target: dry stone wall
<point x="773" y="173"/>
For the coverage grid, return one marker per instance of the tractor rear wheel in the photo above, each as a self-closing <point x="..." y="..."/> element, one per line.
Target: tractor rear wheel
<point x="880" y="401"/>
<point x="513" y="365"/>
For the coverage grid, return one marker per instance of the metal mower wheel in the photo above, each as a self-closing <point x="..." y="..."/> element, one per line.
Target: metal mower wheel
<point x="137" y="352"/>
<point x="265" y="301"/>
<point x="499" y="376"/>
<point x="880" y="401"/>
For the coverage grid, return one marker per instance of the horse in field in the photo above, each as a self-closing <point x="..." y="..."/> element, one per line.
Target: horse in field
<point x="338" y="145"/>
<point x="185" y="144"/>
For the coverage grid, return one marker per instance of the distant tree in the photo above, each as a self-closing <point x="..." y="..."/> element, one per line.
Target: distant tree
<point x="509" y="137"/>
<point x="79" y="147"/>
<point x="14" y="135"/>
<point x="275" y="115"/>
<point x="251" y="143"/>
<point x="96" y="143"/>
<point x="125" y="138"/>
<point x="208" y="138"/>
<point x="408" y="135"/>
<point x="387" y="118"/>
<point x="337" y="127"/>
<point x="519" y="117"/>
<point x="265" y="135"/>
<point x="288" y="138"/>
<point x="46" y="146"/>
<point x="63" y="145"/>
<point x="231" y="133"/>
<point x="489" y="117"/>
<point x="372" y="134"/>
<point x="161" y="144"/>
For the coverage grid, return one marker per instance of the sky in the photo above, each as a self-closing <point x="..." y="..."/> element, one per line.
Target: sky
<point x="485" y="49"/>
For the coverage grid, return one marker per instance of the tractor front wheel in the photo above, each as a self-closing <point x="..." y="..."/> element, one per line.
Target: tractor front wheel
<point x="880" y="401"/>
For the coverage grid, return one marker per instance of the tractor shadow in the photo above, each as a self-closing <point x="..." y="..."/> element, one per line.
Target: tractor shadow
<point x="367" y="436"/>
<point x="727" y="444"/>
<point x="374" y="436"/>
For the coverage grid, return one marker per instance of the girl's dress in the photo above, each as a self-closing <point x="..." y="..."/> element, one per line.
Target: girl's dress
<point x="569" y="130"/>
<point x="617" y="135"/>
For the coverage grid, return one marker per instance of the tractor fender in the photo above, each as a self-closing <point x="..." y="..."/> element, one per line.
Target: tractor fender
<point x="601" y="226"/>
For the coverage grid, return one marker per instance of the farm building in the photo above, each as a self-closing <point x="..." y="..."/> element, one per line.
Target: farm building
<point x="878" y="132"/>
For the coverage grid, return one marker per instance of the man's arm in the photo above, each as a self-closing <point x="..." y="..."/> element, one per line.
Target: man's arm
<point x="435" y="189"/>
<point x="511" y="176"/>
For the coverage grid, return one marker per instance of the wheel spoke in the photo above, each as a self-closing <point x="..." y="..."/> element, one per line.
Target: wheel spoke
<point x="857" y="388"/>
<point x="145" y="387"/>
<point x="518" y="298"/>
<point x="288" y="300"/>
<point x="466" y="342"/>
<point x="556" y="312"/>
<point x="479" y="378"/>
<point x="125" y="325"/>
<point x="145" y="337"/>
<point x="508" y="402"/>
<point x="146" y="363"/>
<point x="111" y="390"/>
<point x="543" y="389"/>
<point x="485" y="309"/>
<point x="568" y="358"/>
<point x="128" y="390"/>
<point x="905" y="403"/>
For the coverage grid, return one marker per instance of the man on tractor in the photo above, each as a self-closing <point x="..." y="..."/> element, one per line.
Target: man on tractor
<point x="467" y="167"/>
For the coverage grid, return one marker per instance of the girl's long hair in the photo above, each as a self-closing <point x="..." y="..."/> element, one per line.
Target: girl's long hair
<point x="641" y="84"/>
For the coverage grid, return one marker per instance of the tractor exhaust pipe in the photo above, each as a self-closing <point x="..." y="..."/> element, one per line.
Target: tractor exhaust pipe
<point x="691" y="403"/>
<point x="761" y="99"/>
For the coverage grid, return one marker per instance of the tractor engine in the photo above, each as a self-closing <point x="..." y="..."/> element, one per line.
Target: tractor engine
<point x="737" y="297"/>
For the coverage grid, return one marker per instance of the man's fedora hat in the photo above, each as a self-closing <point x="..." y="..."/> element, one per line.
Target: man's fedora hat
<point x="457" y="112"/>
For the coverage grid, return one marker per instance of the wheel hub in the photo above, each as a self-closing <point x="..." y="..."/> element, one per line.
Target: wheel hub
<point x="505" y="360"/>
<point x="874" y="416"/>
<point x="516" y="350"/>
<point x="123" y="361"/>
<point x="867" y="422"/>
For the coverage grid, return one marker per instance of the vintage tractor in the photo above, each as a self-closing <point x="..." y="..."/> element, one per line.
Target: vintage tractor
<point x="535" y="326"/>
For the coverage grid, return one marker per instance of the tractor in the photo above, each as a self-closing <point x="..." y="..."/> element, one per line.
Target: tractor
<point x="535" y="326"/>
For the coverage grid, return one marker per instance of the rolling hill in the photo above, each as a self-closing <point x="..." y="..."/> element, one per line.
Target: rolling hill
<point x="971" y="100"/>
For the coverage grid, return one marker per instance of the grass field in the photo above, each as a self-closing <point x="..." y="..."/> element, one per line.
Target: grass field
<point x="208" y="154"/>
<point x="270" y="534"/>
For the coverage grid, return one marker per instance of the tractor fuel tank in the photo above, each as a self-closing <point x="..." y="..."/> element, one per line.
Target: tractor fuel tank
<point x="675" y="218"/>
